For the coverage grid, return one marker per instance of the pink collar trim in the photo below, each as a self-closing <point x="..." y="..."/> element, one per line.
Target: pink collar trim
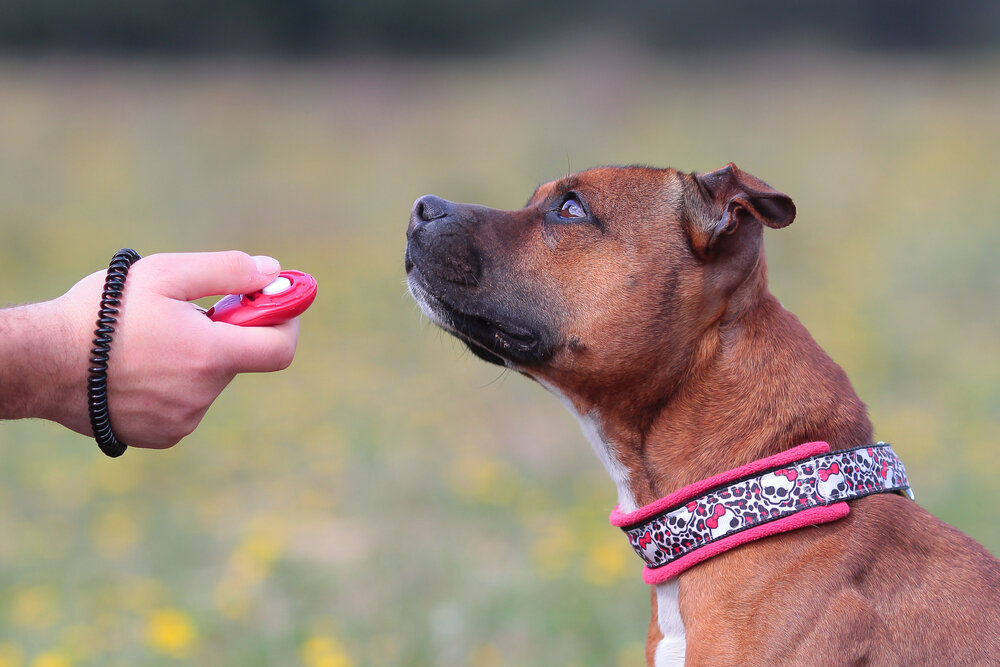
<point x="803" y="486"/>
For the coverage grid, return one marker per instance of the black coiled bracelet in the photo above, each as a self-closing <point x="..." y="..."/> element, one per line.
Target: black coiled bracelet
<point x="97" y="381"/>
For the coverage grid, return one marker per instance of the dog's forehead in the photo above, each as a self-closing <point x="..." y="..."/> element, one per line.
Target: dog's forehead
<point x="603" y="180"/>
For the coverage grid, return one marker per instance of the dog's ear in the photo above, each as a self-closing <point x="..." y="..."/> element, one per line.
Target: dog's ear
<point x="733" y="198"/>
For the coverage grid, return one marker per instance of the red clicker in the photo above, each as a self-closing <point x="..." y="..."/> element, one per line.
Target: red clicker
<point x="286" y="297"/>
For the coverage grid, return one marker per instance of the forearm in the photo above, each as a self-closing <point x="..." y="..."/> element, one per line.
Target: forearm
<point x="43" y="363"/>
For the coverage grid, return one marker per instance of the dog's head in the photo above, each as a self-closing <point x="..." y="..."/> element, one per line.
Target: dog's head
<point x="606" y="278"/>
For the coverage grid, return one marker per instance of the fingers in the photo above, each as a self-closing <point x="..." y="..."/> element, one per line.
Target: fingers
<point x="188" y="276"/>
<point x="257" y="349"/>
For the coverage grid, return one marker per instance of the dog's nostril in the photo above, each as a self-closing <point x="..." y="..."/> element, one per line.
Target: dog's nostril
<point x="429" y="208"/>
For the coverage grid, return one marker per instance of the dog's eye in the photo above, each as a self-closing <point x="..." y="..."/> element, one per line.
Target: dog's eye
<point x="572" y="208"/>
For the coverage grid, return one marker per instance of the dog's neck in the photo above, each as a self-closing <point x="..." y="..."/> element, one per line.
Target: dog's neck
<point x="748" y="393"/>
<point x="756" y="384"/>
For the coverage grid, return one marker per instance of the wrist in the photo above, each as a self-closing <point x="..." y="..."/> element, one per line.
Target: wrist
<point x="69" y="330"/>
<point x="45" y="364"/>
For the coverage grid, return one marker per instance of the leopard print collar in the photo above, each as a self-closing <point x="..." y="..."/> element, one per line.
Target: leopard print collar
<point x="804" y="486"/>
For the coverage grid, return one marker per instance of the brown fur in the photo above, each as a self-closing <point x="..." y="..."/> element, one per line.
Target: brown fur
<point x="655" y="315"/>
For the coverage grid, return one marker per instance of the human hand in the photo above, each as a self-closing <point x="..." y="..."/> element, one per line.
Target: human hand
<point x="168" y="361"/>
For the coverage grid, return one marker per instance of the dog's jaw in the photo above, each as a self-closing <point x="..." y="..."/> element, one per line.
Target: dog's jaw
<point x="489" y="334"/>
<point x="438" y="313"/>
<point x="430" y="305"/>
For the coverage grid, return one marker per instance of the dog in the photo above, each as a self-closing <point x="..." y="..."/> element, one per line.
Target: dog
<point x="639" y="297"/>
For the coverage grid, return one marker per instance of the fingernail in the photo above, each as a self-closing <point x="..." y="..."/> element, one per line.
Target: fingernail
<point x="267" y="265"/>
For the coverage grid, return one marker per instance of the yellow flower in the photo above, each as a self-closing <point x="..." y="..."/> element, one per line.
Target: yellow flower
<point x="171" y="632"/>
<point x="606" y="562"/>
<point x="51" y="659"/>
<point x="247" y="568"/>
<point x="324" y="651"/>
<point x="35" y="607"/>
<point x="263" y="548"/>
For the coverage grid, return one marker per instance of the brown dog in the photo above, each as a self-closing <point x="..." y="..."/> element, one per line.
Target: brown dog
<point x="639" y="296"/>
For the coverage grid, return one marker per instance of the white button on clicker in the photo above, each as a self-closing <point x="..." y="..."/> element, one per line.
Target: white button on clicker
<point x="279" y="285"/>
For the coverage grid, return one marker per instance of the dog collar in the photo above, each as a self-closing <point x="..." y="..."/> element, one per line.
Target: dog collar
<point x="804" y="486"/>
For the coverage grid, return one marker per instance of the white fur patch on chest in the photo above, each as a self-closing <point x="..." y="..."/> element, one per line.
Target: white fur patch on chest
<point x="670" y="649"/>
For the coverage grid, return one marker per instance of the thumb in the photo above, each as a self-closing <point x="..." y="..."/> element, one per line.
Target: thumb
<point x="188" y="276"/>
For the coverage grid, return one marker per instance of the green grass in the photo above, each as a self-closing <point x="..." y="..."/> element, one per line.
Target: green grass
<point x="391" y="500"/>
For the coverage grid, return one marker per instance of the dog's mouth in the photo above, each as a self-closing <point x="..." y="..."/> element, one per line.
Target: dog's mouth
<point x="492" y="340"/>
<point x="495" y="341"/>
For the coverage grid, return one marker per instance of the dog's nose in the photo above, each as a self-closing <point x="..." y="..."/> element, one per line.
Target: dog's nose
<point x="428" y="208"/>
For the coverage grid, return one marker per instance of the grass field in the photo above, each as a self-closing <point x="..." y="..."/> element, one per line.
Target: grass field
<point x="391" y="500"/>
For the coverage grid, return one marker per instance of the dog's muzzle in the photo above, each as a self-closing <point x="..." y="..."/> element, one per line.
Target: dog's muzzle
<point x="446" y="273"/>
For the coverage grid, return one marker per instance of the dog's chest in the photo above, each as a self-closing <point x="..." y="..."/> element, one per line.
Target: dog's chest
<point x="670" y="649"/>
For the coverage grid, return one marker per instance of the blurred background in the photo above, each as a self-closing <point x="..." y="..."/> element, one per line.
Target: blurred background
<point x="390" y="499"/>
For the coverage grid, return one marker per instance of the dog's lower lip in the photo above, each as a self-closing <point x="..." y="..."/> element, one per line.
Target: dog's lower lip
<point x="524" y="341"/>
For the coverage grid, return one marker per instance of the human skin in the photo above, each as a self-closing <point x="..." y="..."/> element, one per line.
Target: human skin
<point x="168" y="362"/>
